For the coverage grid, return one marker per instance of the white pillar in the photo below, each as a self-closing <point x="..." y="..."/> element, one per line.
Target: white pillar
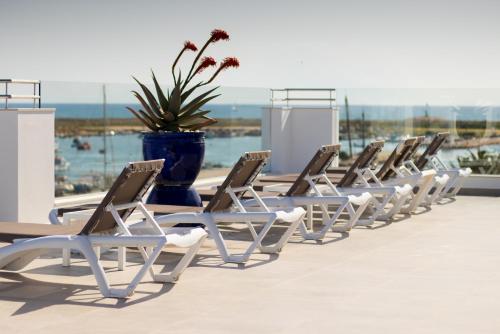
<point x="295" y="134"/>
<point x="26" y="164"/>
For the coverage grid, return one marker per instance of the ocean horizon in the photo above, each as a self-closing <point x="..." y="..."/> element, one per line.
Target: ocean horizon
<point x="254" y="111"/>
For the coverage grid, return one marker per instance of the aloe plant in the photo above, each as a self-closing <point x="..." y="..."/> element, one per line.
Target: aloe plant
<point x="177" y="110"/>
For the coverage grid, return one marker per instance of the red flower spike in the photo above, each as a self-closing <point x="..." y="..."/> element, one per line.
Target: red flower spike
<point x="218" y="34"/>
<point x="230" y="62"/>
<point x="190" y="46"/>
<point x="205" y="62"/>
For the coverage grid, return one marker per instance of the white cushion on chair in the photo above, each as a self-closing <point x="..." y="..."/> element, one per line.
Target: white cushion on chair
<point x="360" y="199"/>
<point x="443" y="179"/>
<point x="184" y="236"/>
<point x="404" y="190"/>
<point x="465" y="172"/>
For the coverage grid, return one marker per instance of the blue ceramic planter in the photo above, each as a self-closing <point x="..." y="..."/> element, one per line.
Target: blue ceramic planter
<point x="183" y="153"/>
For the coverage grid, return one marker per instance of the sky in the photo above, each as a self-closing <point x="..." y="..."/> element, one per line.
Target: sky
<point x="307" y="43"/>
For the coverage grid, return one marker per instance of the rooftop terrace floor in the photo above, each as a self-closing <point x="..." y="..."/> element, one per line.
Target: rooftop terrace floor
<point x="437" y="272"/>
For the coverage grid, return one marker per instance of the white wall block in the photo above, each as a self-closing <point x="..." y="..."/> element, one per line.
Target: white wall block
<point x="26" y="165"/>
<point x="295" y="134"/>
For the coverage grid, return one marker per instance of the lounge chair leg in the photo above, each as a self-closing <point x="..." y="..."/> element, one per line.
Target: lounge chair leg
<point x="102" y="282"/>
<point x="449" y="185"/>
<point x="122" y="258"/>
<point x="97" y="251"/>
<point x="457" y="186"/>
<point x="66" y="257"/>
<point x="277" y="247"/>
<point x="399" y="201"/>
<point x="437" y="195"/>
<point x="420" y="197"/>
<point x="380" y="213"/>
<point x="87" y="250"/>
<point x="174" y="275"/>
<point x="258" y="241"/>
<point x="219" y="241"/>
<point x="221" y="245"/>
<point x="330" y="222"/>
<point x="354" y="216"/>
<point x="310" y="223"/>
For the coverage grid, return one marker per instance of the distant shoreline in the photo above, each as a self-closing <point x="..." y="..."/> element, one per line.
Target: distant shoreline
<point x="471" y="132"/>
<point x="71" y="127"/>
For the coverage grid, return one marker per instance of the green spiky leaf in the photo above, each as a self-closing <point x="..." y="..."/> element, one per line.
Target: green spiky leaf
<point x="209" y="121"/>
<point x="146" y="122"/>
<point x="153" y="103"/>
<point x="159" y="92"/>
<point x="187" y="93"/>
<point x="174" y="104"/>
<point x="195" y="107"/>
<point x="196" y="100"/>
<point x="193" y="117"/>
<point x="158" y="118"/>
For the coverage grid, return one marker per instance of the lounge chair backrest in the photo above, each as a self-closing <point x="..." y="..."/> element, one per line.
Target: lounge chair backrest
<point x="394" y="160"/>
<point x="405" y="156"/>
<point x="243" y="174"/>
<point x="317" y="165"/>
<point x="363" y="161"/>
<point x="413" y="150"/>
<point x="129" y="187"/>
<point x="436" y="143"/>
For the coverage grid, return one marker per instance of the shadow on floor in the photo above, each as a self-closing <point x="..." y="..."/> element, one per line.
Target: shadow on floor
<point x="36" y="294"/>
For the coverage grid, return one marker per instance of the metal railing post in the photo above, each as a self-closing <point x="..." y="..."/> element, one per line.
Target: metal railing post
<point x="6" y="93"/>
<point x="331" y="99"/>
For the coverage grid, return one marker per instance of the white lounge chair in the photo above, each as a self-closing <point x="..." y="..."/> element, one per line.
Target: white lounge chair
<point x="351" y="182"/>
<point x="106" y="227"/>
<point x="393" y="172"/>
<point x="302" y="193"/>
<point x="430" y="159"/>
<point x="226" y="207"/>
<point x="429" y="184"/>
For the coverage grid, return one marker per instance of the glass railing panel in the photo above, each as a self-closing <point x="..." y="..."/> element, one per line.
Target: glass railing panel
<point x="96" y="135"/>
<point x="239" y="115"/>
<point x="470" y="115"/>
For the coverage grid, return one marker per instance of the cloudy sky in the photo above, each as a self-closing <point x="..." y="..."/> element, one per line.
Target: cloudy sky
<point x="357" y="43"/>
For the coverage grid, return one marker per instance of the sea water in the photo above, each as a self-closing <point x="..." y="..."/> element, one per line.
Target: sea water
<point x="121" y="149"/>
<point x="219" y="152"/>
<point x="224" y="152"/>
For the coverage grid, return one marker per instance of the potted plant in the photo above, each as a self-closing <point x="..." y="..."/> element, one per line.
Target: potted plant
<point x="175" y="120"/>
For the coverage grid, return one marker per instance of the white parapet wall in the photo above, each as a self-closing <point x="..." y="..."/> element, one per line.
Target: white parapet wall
<point x="294" y="134"/>
<point x="485" y="185"/>
<point x="27" y="164"/>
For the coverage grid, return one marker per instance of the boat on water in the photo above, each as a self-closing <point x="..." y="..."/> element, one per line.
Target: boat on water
<point x="63" y="186"/>
<point x="60" y="164"/>
<point x="81" y="145"/>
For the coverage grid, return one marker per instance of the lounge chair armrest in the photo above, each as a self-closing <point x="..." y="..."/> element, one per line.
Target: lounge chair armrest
<point x="288" y="202"/>
<point x="270" y="201"/>
<point x="372" y="190"/>
<point x="176" y="218"/>
<point x="316" y="200"/>
<point x="238" y="217"/>
<point x="127" y="241"/>
<point x="277" y="188"/>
